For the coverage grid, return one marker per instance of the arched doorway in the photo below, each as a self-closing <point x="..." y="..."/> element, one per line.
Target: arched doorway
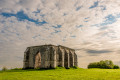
<point x="38" y="60"/>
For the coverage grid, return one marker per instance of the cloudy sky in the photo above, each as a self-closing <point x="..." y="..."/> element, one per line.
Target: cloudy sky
<point x="91" y="27"/>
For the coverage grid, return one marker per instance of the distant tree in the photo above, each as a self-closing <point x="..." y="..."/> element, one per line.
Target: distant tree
<point x="107" y="64"/>
<point x="116" y="67"/>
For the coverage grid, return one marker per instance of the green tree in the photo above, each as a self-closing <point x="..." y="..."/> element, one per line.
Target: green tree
<point x="116" y="67"/>
<point x="107" y="64"/>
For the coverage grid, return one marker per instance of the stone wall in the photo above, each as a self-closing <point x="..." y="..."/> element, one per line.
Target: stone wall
<point x="49" y="56"/>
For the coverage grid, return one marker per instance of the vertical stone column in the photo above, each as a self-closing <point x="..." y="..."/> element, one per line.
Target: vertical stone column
<point x="71" y="58"/>
<point x="31" y="60"/>
<point x="54" y="59"/>
<point x="68" y="59"/>
<point x="45" y="59"/>
<point x="75" y="60"/>
<point x="63" y="58"/>
<point x="26" y="60"/>
<point x="42" y="60"/>
<point x="59" y="61"/>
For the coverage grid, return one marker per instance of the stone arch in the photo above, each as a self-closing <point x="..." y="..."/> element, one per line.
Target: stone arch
<point x="37" y="60"/>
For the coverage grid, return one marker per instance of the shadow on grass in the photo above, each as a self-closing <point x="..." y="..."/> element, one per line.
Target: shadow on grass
<point x="24" y="70"/>
<point x="32" y="69"/>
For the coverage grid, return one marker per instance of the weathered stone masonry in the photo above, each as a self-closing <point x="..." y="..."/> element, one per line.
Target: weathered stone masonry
<point x="49" y="56"/>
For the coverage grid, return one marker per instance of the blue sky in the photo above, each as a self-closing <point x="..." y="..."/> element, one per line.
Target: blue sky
<point x="21" y="17"/>
<point x="90" y="27"/>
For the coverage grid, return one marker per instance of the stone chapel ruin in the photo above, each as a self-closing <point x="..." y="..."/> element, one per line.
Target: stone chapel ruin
<point x="49" y="56"/>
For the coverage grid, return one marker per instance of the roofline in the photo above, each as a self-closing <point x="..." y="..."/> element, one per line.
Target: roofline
<point x="65" y="47"/>
<point x="42" y="45"/>
<point x="52" y="45"/>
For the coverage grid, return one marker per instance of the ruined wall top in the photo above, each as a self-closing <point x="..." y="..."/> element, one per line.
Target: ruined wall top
<point x="66" y="47"/>
<point x="39" y="46"/>
<point x="42" y="46"/>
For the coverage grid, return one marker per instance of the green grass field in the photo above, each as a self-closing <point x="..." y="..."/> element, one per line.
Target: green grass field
<point x="61" y="74"/>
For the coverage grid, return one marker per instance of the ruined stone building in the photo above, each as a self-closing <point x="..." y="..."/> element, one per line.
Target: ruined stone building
<point x="49" y="56"/>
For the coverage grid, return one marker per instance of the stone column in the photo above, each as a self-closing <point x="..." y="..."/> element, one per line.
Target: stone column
<point x="75" y="59"/>
<point x="68" y="59"/>
<point x="26" y="60"/>
<point x="31" y="60"/>
<point x="45" y="59"/>
<point x="71" y="59"/>
<point x="63" y="58"/>
<point x="54" y="59"/>
<point x="42" y="60"/>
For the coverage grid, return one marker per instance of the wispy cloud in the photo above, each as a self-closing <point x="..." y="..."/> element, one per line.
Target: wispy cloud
<point x="97" y="52"/>
<point x="89" y="26"/>
<point x="94" y="5"/>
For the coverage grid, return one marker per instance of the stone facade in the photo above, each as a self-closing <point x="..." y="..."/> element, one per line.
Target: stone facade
<point x="49" y="56"/>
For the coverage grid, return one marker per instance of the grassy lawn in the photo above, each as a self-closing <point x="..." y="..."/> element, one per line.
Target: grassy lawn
<point x="61" y="74"/>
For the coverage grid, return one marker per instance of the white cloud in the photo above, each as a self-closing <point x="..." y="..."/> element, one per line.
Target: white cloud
<point x="16" y="35"/>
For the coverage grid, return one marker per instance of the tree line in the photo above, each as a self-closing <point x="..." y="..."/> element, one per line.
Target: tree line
<point x="103" y="64"/>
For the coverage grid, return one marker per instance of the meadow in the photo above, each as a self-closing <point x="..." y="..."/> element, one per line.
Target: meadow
<point x="61" y="74"/>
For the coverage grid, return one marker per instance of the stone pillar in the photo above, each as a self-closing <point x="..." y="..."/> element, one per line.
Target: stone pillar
<point x="26" y="60"/>
<point x="66" y="59"/>
<point x="31" y="60"/>
<point x="63" y="58"/>
<point x="71" y="59"/>
<point x="54" y="59"/>
<point x="42" y="60"/>
<point x="47" y="58"/>
<point x="75" y="60"/>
